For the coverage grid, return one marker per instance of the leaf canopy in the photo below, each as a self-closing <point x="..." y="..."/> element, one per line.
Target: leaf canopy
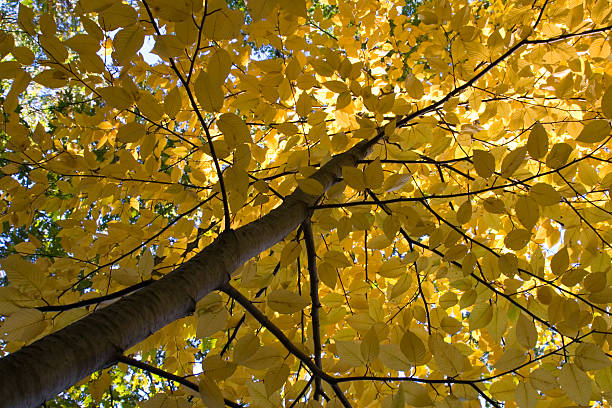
<point x="466" y="258"/>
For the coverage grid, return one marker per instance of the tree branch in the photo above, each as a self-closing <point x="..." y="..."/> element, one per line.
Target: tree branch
<point x="203" y="123"/>
<point x="316" y="303"/>
<point x="169" y="376"/>
<point x="95" y="300"/>
<point x="272" y="328"/>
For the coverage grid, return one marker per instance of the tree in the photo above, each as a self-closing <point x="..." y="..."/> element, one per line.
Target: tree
<point x="300" y="203"/>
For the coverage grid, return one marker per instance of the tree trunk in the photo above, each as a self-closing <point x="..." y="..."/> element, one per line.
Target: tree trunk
<point x="40" y="371"/>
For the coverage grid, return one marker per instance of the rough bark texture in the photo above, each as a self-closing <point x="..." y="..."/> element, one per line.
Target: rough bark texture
<point x="47" y="367"/>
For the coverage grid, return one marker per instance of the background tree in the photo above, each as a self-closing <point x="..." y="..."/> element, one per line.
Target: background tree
<point x="295" y="203"/>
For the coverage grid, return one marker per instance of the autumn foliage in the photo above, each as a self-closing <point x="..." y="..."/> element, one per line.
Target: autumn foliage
<point x="454" y="250"/>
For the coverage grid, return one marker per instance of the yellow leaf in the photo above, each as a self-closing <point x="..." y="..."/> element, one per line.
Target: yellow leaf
<point x="224" y="24"/>
<point x="259" y="396"/>
<point x="212" y="315"/>
<point x="448" y="299"/>
<point x="117" y="15"/>
<point x="99" y="386"/>
<point x="494" y="205"/>
<point x="92" y="28"/>
<point x="25" y="248"/>
<point x="373" y="175"/>
<point x="590" y="356"/>
<point x="7" y="42"/>
<point x="173" y="102"/>
<point x="484" y="163"/>
<point x="53" y="47"/>
<point x="328" y="274"/>
<point x="350" y="353"/>
<point x="335" y="86"/>
<point x="21" y="82"/>
<point x="606" y="103"/>
<point x="22" y="274"/>
<point x="146" y="264"/>
<point x="219" y="65"/>
<point x="210" y="393"/>
<point x="391" y="226"/>
<point x="601" y="297"/>
<point x="303" y="105"/>
<point x="265" y="357"/>
<point x="23" y="55"/>
<point x="23" y="325"/>
<point x="354" y="178"/>
<point x="558" y="155"/>
<point x="412" y="347"/>
<point x="450" y="325"/>
<point x="396" y="181"/>
<point x="235" y="130"/>
<point x="455" y="252"/>
<point x="52" y="78"/>
<point x="480" y="316"/>
<point x="163" y="400"/>
<point x="343" y="100"/>
<point x="414" y="87"/>
<point x="510" y="360"/>
<point x="47" y="24"/>
<point x="276" y="377"/>
<point x="498" y="325"/>
<point x="587" y="174"/>
<point x="216" y="368"/>
<point x="126" y="276"/>
<point x="508" y="264"/>
<point x="416" y="395"/>
<point x="245" y="347"/>
<point x="168" y="46"/>
<point x="401" y="286"/>
<point x="464" y="212"/>
<point x="575" y="383"/>
<point x="209" y="93"/>
<point x="385" y="103"/>
<point x="517" y="239"/>
<point x="526" y="396"/>
<point x="393" y="268"/>
<point x="526" y="333"/>
<point x="527" y="211"/>
<point x="116" y="97"/>
<point x="537" y="144"/>
<point x="311" y="187"/>
<point x="594" y="132"/>
<point x="468" y="298"/>
<point x="127" y="42"/>
<point x="370" y="346"/>
<point x="544" y="194"/>
<point x="560" y="262"/>
<point x="503" y="389"/>
<point x="543" y="380"/>
<point x="379" y="242"/>
<point x="595" y="282"/>
<point x="25" y="19"/>
<point x="259" y="9"/>
<point x="392" y="357"/>
<point x="513" y="161"/>
<point x="149" y="107"/>
<point x="448" y="359"/>
<point x="290" y="252"/>
<point x="286" y="302"/>
<point x="9" y="69"/>
<point x="131" y="132"/>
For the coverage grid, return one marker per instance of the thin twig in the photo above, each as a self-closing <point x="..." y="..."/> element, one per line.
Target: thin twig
<point x="169" y="376"/>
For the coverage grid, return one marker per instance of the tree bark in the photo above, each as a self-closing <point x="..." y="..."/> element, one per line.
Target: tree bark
<point x="38" y="372"/>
